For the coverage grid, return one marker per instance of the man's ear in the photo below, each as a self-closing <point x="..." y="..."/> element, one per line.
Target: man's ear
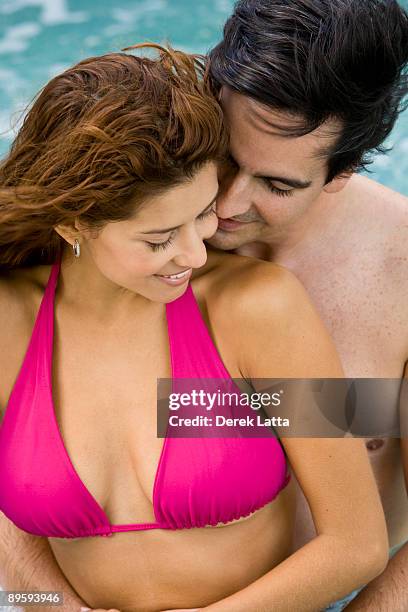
<point x="338" y="183"/>
<point x="222" y="92"/>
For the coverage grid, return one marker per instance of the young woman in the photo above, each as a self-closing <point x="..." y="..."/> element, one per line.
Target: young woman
<point x="106" y="198"/>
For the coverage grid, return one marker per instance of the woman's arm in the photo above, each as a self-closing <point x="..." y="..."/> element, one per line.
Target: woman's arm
<point x="281" y="335"/>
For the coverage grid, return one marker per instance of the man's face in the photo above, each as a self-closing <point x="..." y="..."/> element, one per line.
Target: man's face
<point x="271" y="180"/>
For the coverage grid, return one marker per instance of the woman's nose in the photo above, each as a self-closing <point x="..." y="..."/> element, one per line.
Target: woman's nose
<point x="193" y="253"/>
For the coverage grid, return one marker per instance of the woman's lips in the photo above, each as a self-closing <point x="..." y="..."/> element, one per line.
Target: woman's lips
<point x="171" y="280"/>
<point x="229" y="225"/>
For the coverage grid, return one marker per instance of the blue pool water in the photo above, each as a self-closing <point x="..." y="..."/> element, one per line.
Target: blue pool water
<point x="40" y="38"/>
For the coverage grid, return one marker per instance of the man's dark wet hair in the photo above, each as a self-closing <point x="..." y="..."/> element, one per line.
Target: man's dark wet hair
<point x="321" y="59"/>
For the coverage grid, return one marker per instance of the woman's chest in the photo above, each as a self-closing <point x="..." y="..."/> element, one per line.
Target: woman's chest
<point x="104" y="391"/>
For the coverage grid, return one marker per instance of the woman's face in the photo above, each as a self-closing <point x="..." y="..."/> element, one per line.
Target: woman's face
<point x="154" y="252"/>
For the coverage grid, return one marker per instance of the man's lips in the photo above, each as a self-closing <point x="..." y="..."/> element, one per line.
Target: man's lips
<point x="230" y="225"/>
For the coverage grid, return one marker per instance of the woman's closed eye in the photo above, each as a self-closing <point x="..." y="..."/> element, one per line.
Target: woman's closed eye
<point x="161" y="246"/>
<point x="207" y="213"/>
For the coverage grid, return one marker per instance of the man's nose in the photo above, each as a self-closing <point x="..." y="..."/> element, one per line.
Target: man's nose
<point x="234" y="196"/>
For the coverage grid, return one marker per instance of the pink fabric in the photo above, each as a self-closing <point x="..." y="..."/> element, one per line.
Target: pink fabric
<point x="199" y="481"/>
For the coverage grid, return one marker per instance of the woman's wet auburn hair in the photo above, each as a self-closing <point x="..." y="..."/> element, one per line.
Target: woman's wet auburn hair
<point x="99" y="139"/>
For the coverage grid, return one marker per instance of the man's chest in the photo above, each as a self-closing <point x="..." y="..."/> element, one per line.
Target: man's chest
<point x="362" y="311"/>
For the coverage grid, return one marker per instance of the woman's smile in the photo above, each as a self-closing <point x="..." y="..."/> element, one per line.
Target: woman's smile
<point x="175" y="279"/>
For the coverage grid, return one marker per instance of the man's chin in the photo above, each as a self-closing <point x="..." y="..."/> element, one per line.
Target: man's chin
<point x="224" y="241"/>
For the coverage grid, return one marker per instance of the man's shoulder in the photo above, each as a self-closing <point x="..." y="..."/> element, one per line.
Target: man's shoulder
<point x="370" y="193"/>
<point x="380" y="217"/>
<point x="381" y="221"/>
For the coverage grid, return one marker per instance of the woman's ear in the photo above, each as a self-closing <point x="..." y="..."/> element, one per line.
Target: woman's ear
<point x="338" y="183"/>
<point x="75" y="230"/>
<point x="67" y="232"/>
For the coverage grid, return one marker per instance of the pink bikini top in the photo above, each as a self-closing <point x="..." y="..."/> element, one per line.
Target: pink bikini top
<point x="199" y="481"/>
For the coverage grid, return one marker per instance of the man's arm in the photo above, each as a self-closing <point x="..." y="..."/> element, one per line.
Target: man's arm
<point x="389" y="590"/>
<point x="28" y="564"/>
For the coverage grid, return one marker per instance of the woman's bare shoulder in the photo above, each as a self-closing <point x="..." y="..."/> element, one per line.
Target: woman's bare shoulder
<point x="242" y="295"/>
<point x="20" y="296"/>
<point x="21" y="287"/>
<point x="266" y="317"/>
<point x="234" y="282"/>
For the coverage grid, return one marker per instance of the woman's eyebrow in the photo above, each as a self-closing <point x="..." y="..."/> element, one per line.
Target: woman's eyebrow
<point x="170" y="229"/>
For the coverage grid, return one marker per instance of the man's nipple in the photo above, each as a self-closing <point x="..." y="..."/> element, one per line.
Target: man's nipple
<point x="374" y="444"/>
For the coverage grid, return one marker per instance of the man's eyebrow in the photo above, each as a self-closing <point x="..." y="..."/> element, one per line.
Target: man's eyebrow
<point x="291" y="182"/>
<point x="170" y="229"/>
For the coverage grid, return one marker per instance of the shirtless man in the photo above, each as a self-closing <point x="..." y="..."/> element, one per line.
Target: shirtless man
<point x="343" y="235"/>
<point x="308" y="88"/>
